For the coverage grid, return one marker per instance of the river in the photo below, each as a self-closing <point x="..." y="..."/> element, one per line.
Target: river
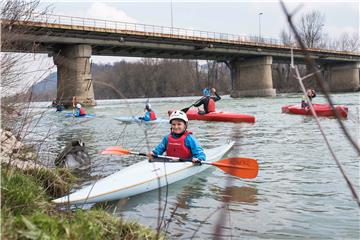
<point x="299" y="192"/>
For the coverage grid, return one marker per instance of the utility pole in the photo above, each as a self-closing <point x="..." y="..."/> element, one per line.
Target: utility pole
<point x="172" y="23"/>
<point x="260" y="25"/>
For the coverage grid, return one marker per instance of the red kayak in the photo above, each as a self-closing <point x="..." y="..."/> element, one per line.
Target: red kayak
<point x="324" y="110"/>
<point x="192" y="114"/>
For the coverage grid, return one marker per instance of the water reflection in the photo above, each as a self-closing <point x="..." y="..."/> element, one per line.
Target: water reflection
<point x="235" y="194"/>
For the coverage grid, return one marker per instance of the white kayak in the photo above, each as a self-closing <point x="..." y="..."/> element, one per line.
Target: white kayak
<point x="141" y="177"/>
<point x="137" y="120"/>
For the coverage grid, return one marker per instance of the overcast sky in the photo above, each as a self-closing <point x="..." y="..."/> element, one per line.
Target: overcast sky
<point x="236" y="17"/>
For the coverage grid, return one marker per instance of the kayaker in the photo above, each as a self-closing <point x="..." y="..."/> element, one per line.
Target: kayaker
<point x="54" y="103"/>
<point x="310" y="94"/>
<point x="80" y="111"/>
<point x="149" y="114"/>
<point x="60" y="107"/>
<point x="180" y="142"/>
<point x="208" y="100"/>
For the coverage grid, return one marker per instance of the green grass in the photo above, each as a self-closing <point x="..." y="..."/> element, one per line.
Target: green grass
<point x="27" y="213"/>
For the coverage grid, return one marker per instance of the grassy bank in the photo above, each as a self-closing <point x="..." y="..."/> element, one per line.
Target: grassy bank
<point x="27" y="212"/>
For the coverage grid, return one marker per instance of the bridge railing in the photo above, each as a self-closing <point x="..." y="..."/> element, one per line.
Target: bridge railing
<point x="154" y="29"/>
<point x="146" y="29"/>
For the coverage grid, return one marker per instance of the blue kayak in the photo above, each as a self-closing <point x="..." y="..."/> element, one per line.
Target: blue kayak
<point x="137" y="120"/>
<point x="70" y="114"/>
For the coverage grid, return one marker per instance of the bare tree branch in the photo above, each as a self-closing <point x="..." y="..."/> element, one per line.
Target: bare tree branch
<point x="324" y="89"/>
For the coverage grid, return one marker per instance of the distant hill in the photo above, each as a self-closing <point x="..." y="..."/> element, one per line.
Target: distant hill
<point x="45" y="90"/>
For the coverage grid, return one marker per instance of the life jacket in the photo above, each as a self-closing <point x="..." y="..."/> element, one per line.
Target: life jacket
<point x="152" y="116"/>
<point x="82" y="111"/>
<point x="176" y="146"/>
<point x="211" y="105"/>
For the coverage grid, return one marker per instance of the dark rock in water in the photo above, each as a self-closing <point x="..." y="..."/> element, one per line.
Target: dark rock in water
<point x="74" y="156"/>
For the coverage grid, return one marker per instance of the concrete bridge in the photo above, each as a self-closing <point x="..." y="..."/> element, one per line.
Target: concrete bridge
<point x="71" y="41"/>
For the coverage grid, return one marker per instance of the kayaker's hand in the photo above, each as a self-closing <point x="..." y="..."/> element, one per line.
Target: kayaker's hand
<point x="213" y="90"/>
<point x="150" y="155"/>
<point x="196" y="161"/>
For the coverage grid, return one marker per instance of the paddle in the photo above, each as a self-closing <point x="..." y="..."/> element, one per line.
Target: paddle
<point x="239" y="167"/>
<point x="187" y="109"/>
<point x="73" y="103"/>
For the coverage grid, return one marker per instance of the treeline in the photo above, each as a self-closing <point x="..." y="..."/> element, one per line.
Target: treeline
<point x="172" y="78"/>
<point x="159" y="78"/>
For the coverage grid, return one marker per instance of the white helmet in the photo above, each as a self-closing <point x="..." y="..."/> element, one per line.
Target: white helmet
<point x="78" y="105"/>
<point x="148" y="106"/>
<point x="177" y="114"/>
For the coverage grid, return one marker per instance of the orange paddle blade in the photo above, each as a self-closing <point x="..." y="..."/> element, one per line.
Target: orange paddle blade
<point x="115" y="150"/>
<point x="239" y="167"/>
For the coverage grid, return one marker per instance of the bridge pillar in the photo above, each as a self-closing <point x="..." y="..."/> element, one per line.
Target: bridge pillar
<point x="252" y="77"/>
<point x="74" y="75"/>
<point x="344" y="78"/>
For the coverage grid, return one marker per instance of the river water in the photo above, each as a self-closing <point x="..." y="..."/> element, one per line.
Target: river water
<point x="299" y="192"/>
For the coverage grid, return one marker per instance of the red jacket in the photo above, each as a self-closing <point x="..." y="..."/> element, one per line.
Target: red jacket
<point x="82" y="111"/>
<point x="176" y="146"/>
<point x="152" y="116"/>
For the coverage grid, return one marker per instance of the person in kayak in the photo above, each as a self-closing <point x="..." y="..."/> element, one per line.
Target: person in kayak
<point x="60" y="107"/>
<point x="310" y="94"/>
<point x="180" y="142"/>
<point x="208" y="100"/>
<point x="79" y="111"/>
<point x="54" y="103"/>
<point x="149" y="114"/>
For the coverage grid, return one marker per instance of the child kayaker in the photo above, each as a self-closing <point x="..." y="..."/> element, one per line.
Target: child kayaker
<point x="80" y="111"/>
<point x="149" y="114"/>
<point x="310" y="94"/>
<point x="208" y="100"/>
<point x="180" y="142"/>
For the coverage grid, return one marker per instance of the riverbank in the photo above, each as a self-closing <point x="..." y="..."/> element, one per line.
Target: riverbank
<point x="27" y="188"/>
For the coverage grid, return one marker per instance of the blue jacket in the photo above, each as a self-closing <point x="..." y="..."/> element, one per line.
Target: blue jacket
<point x="190" y="142"/>
<point x="77" y="112"/>
<point x="147" y="116"/>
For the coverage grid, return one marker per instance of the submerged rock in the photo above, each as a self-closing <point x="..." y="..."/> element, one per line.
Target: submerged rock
<point x="74" y="156"/>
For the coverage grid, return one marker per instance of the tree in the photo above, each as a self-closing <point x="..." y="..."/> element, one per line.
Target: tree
<point x="310" y="28"/>
<point x="13" y="65"/>
<point x="287" y="38"/>
<point x="347" y="42"/>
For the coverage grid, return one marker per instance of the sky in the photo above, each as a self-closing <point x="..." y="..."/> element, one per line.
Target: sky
<point x="235" y="17"/>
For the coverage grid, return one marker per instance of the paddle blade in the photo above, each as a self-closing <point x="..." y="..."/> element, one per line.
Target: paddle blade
<point x="185" y="109"/>
<point x="116" y="151"/>
<point x="239" y="167"/>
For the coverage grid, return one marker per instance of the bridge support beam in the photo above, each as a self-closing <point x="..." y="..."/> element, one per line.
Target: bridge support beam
<point x="74" y="75"/>
<point x="252" y="77"/>
<point x="344" y="78"/>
